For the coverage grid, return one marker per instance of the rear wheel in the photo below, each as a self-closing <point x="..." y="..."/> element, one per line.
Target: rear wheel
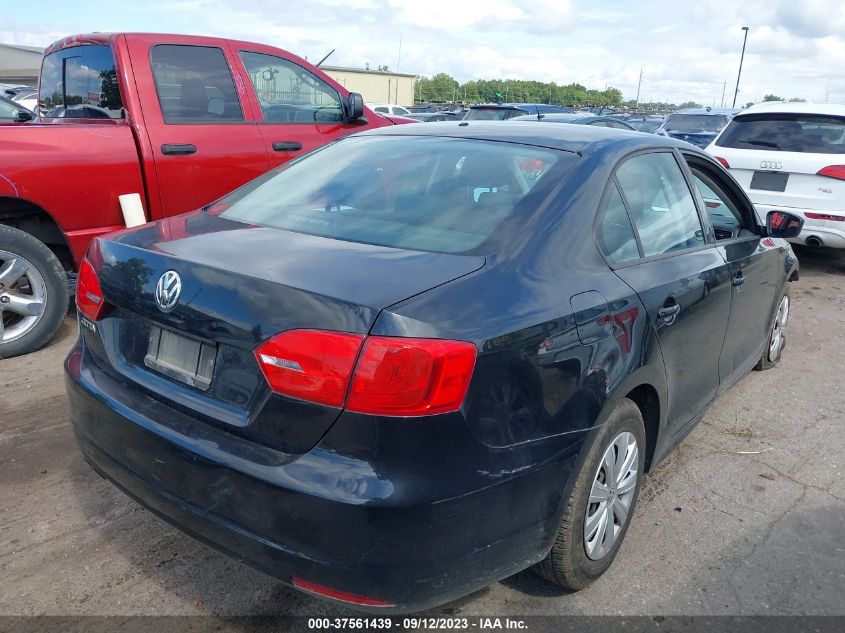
<point x="33" y="293"/>
<point x="599" y="508"/>
<point x="776" y="342"/>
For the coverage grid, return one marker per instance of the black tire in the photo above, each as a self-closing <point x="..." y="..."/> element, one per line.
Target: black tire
<point x="769" y="358"/>
<point x="567" y="565"/>
<point x="56" y="297"/>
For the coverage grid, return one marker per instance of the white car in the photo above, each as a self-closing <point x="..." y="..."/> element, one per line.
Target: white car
<point x="791" y="157"/>
<point x="387" y="108"/>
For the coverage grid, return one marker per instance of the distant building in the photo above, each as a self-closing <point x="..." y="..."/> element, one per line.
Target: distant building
<point x="20" y="64"/>
<point x="376" y="86"/>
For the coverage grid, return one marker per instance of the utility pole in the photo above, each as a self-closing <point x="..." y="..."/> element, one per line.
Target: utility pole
<point x="399" y="56"/>
<point x="639" y="83"/>
<point x="724" y="85"/>
<point x="741" y="57"/>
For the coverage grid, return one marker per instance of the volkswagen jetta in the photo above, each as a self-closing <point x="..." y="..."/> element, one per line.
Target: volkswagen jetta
<point x="422" y="359"/>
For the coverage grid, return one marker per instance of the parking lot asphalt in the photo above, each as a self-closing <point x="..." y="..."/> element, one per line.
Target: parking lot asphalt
<point x="747" y="516"/>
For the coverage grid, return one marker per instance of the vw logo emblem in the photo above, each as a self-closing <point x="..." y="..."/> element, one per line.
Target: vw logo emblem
<point x="771" y="164"/>
<point x="168" y="289"/>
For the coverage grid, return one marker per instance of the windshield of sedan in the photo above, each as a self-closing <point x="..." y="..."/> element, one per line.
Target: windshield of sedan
<point x="695" y="123"/>
<point x="423" y="193"/>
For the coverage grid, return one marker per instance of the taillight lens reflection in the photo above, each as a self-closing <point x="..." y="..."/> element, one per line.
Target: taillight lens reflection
<point x="89" y="296"/>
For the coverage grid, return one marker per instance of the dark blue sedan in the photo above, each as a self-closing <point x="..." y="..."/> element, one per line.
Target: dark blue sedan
<point x="426" y="357"/>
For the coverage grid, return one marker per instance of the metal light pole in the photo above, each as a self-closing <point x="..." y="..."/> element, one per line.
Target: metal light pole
<point x="744" y="40"/>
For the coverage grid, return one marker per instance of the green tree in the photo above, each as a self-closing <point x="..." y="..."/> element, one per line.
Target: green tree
<point x="772" y="98"/>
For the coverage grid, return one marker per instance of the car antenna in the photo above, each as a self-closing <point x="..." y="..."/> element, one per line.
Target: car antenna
<point x="326" y="57"/>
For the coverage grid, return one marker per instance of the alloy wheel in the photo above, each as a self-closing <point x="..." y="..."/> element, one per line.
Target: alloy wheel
<point x="779" y="330"/>
<point x="23" y="296"/>
<point x="611" y="496"/>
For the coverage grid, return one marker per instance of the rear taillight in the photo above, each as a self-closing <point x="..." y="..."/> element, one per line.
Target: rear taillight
<point x="342" y="596"/>
<point x="833" y="171"/>
<point x="391" y="376"/>
<point x="89" y="296"/>
<point x="407" y="376"/>
<point x="723" y="162"/>
<point x="825" y="216"/>
<point x="311" y="365"/>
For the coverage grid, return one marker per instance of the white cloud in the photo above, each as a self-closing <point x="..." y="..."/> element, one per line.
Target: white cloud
<point x="686" y="50"/>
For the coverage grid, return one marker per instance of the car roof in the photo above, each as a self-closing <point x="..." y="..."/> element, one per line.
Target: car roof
<point x="562" y="136"/>
<point x="563" y="117"/>
<point x="784" y="107"/>
<point x="711" y="111"/>
<point x="490" y="106"/>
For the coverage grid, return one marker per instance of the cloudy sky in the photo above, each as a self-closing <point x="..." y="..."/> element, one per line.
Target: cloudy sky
<point x="687" y="50"/>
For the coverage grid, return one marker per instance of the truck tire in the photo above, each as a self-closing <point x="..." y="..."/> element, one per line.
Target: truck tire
<point x="33" y="293"/>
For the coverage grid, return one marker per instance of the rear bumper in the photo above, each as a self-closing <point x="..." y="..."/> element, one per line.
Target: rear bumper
<point x="323" y="517"/>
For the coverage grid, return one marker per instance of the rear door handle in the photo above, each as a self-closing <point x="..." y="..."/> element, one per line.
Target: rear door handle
<point x="738" y="280"/>
<point x="287" y="146"/>
<point x="669" y="314"/>
<point x="178" y="149"/>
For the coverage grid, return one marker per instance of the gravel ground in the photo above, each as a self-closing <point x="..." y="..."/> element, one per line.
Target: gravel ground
<point x="746" y="517"/>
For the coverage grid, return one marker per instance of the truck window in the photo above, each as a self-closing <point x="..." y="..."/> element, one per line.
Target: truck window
<point x="194" y="84"/>
<point x="289" y="93"/>
<point x="80" y="83"/>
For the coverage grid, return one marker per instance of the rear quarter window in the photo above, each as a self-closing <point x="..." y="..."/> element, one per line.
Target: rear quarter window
<point x="80" y="83"/>
<point x="813" y="134"/>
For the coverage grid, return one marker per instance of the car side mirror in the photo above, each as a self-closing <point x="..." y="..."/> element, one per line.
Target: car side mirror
<point x="354" y="107"/>
<point x="23" y="116"/>
<point x="783" y="224"/>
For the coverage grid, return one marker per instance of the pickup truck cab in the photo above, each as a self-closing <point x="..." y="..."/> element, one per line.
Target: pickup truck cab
<point x="178" y="120"/>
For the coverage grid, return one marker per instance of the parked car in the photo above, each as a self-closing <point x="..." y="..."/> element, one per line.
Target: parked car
<point x="579" y="118"/>
<point x="437" y="372"/>
<point x="386" y="108"/>
<point x="698" y="126"/>
<point x="177" y="120"/>
<point x="11" y="112"/>
<point x="649" y="124"/>
<point x="791" y="156"/>
<point x="431" y="117"/>
<point x="504" y="111"/>
<point x="28" y="98"/>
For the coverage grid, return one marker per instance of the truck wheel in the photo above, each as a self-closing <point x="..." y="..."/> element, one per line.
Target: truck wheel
<point x="33" y="293"/>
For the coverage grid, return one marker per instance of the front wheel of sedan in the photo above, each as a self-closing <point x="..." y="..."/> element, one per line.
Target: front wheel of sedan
<point x="777" y="336"/>
<point x="601" y="504"/>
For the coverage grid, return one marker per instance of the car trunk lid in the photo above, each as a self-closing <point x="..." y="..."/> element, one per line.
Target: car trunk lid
<point x="241" y="285"/>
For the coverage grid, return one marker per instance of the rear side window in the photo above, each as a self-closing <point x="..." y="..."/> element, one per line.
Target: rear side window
<point x="615" y="233"/>
<point x="289" y="93"/>
<point x="422" y="193"/>
<point x="660" y="203"/>
<point x="80" y="83"/>
<point x="808" y="133"/>
<point x="194" y="84"/>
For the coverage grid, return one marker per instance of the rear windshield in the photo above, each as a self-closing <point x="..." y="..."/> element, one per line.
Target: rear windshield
<point x="422" y="193"/>
<point x="816" y="134"/>
<point x="492" y="114"/>
<point x="695" y="122"/>
<point x="645" y="126"/>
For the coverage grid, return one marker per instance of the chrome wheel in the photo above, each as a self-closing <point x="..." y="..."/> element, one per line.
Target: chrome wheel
<point x="779" y="330"/>
<point x="611" y="495"/>
<point x="23" y="296"/>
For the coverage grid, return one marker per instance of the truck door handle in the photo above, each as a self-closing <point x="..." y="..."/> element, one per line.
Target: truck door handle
<point x="178" y="149"/>
<point x="738" y="280"/>
<point x="669" y="313"/>
<point x="287" y="146"/>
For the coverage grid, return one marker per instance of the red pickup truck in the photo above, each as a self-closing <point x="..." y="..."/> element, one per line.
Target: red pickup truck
<point x="178" y="120"/>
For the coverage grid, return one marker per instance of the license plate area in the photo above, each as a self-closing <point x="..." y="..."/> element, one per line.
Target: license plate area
<point x="183" y="358"/>
<point x="769" y="181"/>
